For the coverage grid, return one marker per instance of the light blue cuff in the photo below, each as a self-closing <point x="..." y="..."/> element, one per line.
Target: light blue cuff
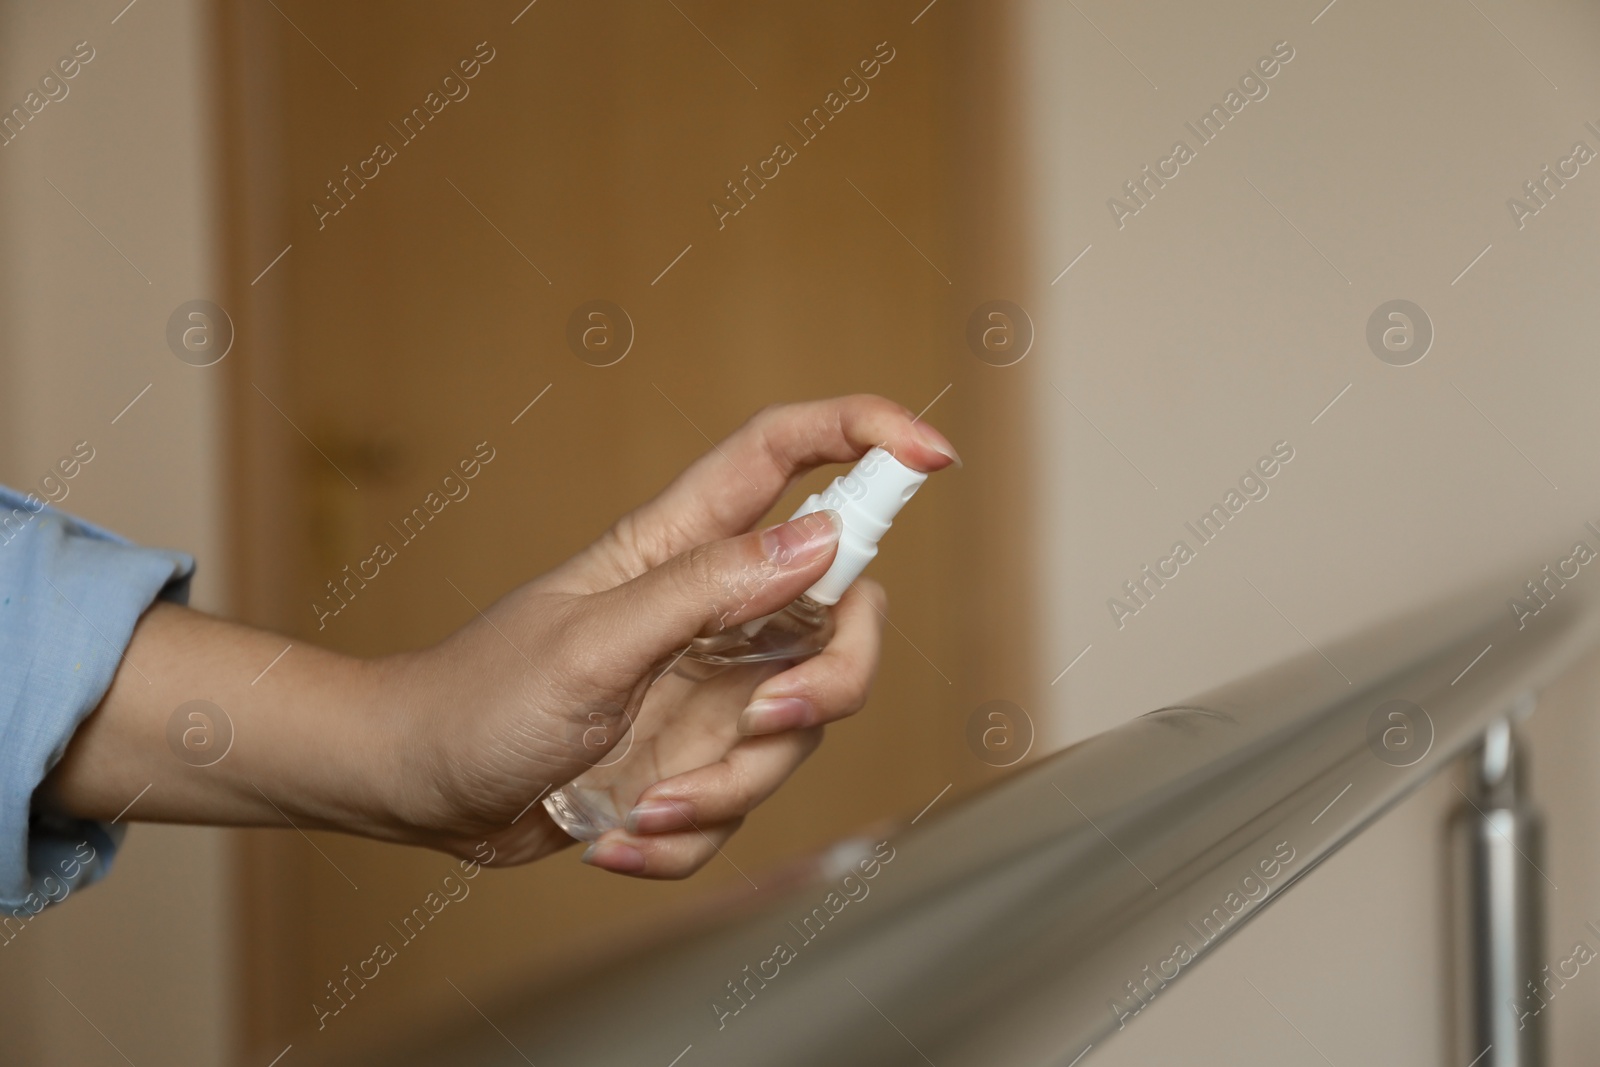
<point x="70" y="594"/>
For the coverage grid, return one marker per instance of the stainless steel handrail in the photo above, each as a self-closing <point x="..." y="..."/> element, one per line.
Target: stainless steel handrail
<point x="1037" y="917"/>
<point x="1497" y="886"/>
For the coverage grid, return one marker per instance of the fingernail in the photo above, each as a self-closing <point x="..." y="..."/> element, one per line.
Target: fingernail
<point x="936" y="441"/>
<point x="772" y="714"/>
<point x="801" y="540"/>
<point x="658" y="816"/>
<point x="611" y="856"/>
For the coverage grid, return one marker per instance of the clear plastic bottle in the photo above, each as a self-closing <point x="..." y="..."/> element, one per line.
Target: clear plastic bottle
<point x="702" y="731"/>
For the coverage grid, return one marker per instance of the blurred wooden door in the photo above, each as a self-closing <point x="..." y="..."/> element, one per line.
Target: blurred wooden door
<point x="539" y="158"/>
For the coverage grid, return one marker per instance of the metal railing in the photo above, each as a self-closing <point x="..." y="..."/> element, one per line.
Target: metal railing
<point x="1028" y="922"/>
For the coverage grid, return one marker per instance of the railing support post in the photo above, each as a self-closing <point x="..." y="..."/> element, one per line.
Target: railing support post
<point x="1496" y="845"/>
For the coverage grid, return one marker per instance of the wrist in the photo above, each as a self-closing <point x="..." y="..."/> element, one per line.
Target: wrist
<point x="389" y="787"/>
<point x="333" y="757"/>
<point x="420" y="784"/>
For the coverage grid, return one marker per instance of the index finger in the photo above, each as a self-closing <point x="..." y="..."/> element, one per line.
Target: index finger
<point x="725" y="491"/>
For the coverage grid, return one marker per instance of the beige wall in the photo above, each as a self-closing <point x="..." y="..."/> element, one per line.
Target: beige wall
<point x="145" y="955"/>
<point x="1208" y="327"/>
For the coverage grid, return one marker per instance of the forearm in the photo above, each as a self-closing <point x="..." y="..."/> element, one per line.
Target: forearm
<point x="452" y="747"/>
<point x="314" y="740"/>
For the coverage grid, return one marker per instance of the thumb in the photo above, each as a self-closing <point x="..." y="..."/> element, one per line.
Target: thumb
<point x="716" y="585"/>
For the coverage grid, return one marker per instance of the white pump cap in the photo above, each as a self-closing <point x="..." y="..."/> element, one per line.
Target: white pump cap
<point x="867" y="500"/>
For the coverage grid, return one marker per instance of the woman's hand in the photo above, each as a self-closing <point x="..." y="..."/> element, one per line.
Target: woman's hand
<point x="529" y="696"/>
<point x="453" y="745"/>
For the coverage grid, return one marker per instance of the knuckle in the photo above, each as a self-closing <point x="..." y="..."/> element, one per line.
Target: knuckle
<point x="844" y="696"/>
<point x="739" y="792"/>
<point x="677" y="870"/>
<point x="875" y="596"/>
<point x="855" y="696"/>
<point x="850" y="682"/>
<point x="883" y="405"/>
<point x="639" y="545"/>
<point x="768" y="414"/>
<point x="879" y="595"/>
<point x="700" y="568"/>
<point x="763" y="420"/>
<point x="872" y="407"/>
<point x="623" y="536"/>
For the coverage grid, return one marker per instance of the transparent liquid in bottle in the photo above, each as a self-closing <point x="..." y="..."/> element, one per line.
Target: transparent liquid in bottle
<point x="700" y="691"/>
<point x="703" y="722"/>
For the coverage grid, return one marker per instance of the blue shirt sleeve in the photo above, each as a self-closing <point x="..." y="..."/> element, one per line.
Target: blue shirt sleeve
<point x="70" y="594"/>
